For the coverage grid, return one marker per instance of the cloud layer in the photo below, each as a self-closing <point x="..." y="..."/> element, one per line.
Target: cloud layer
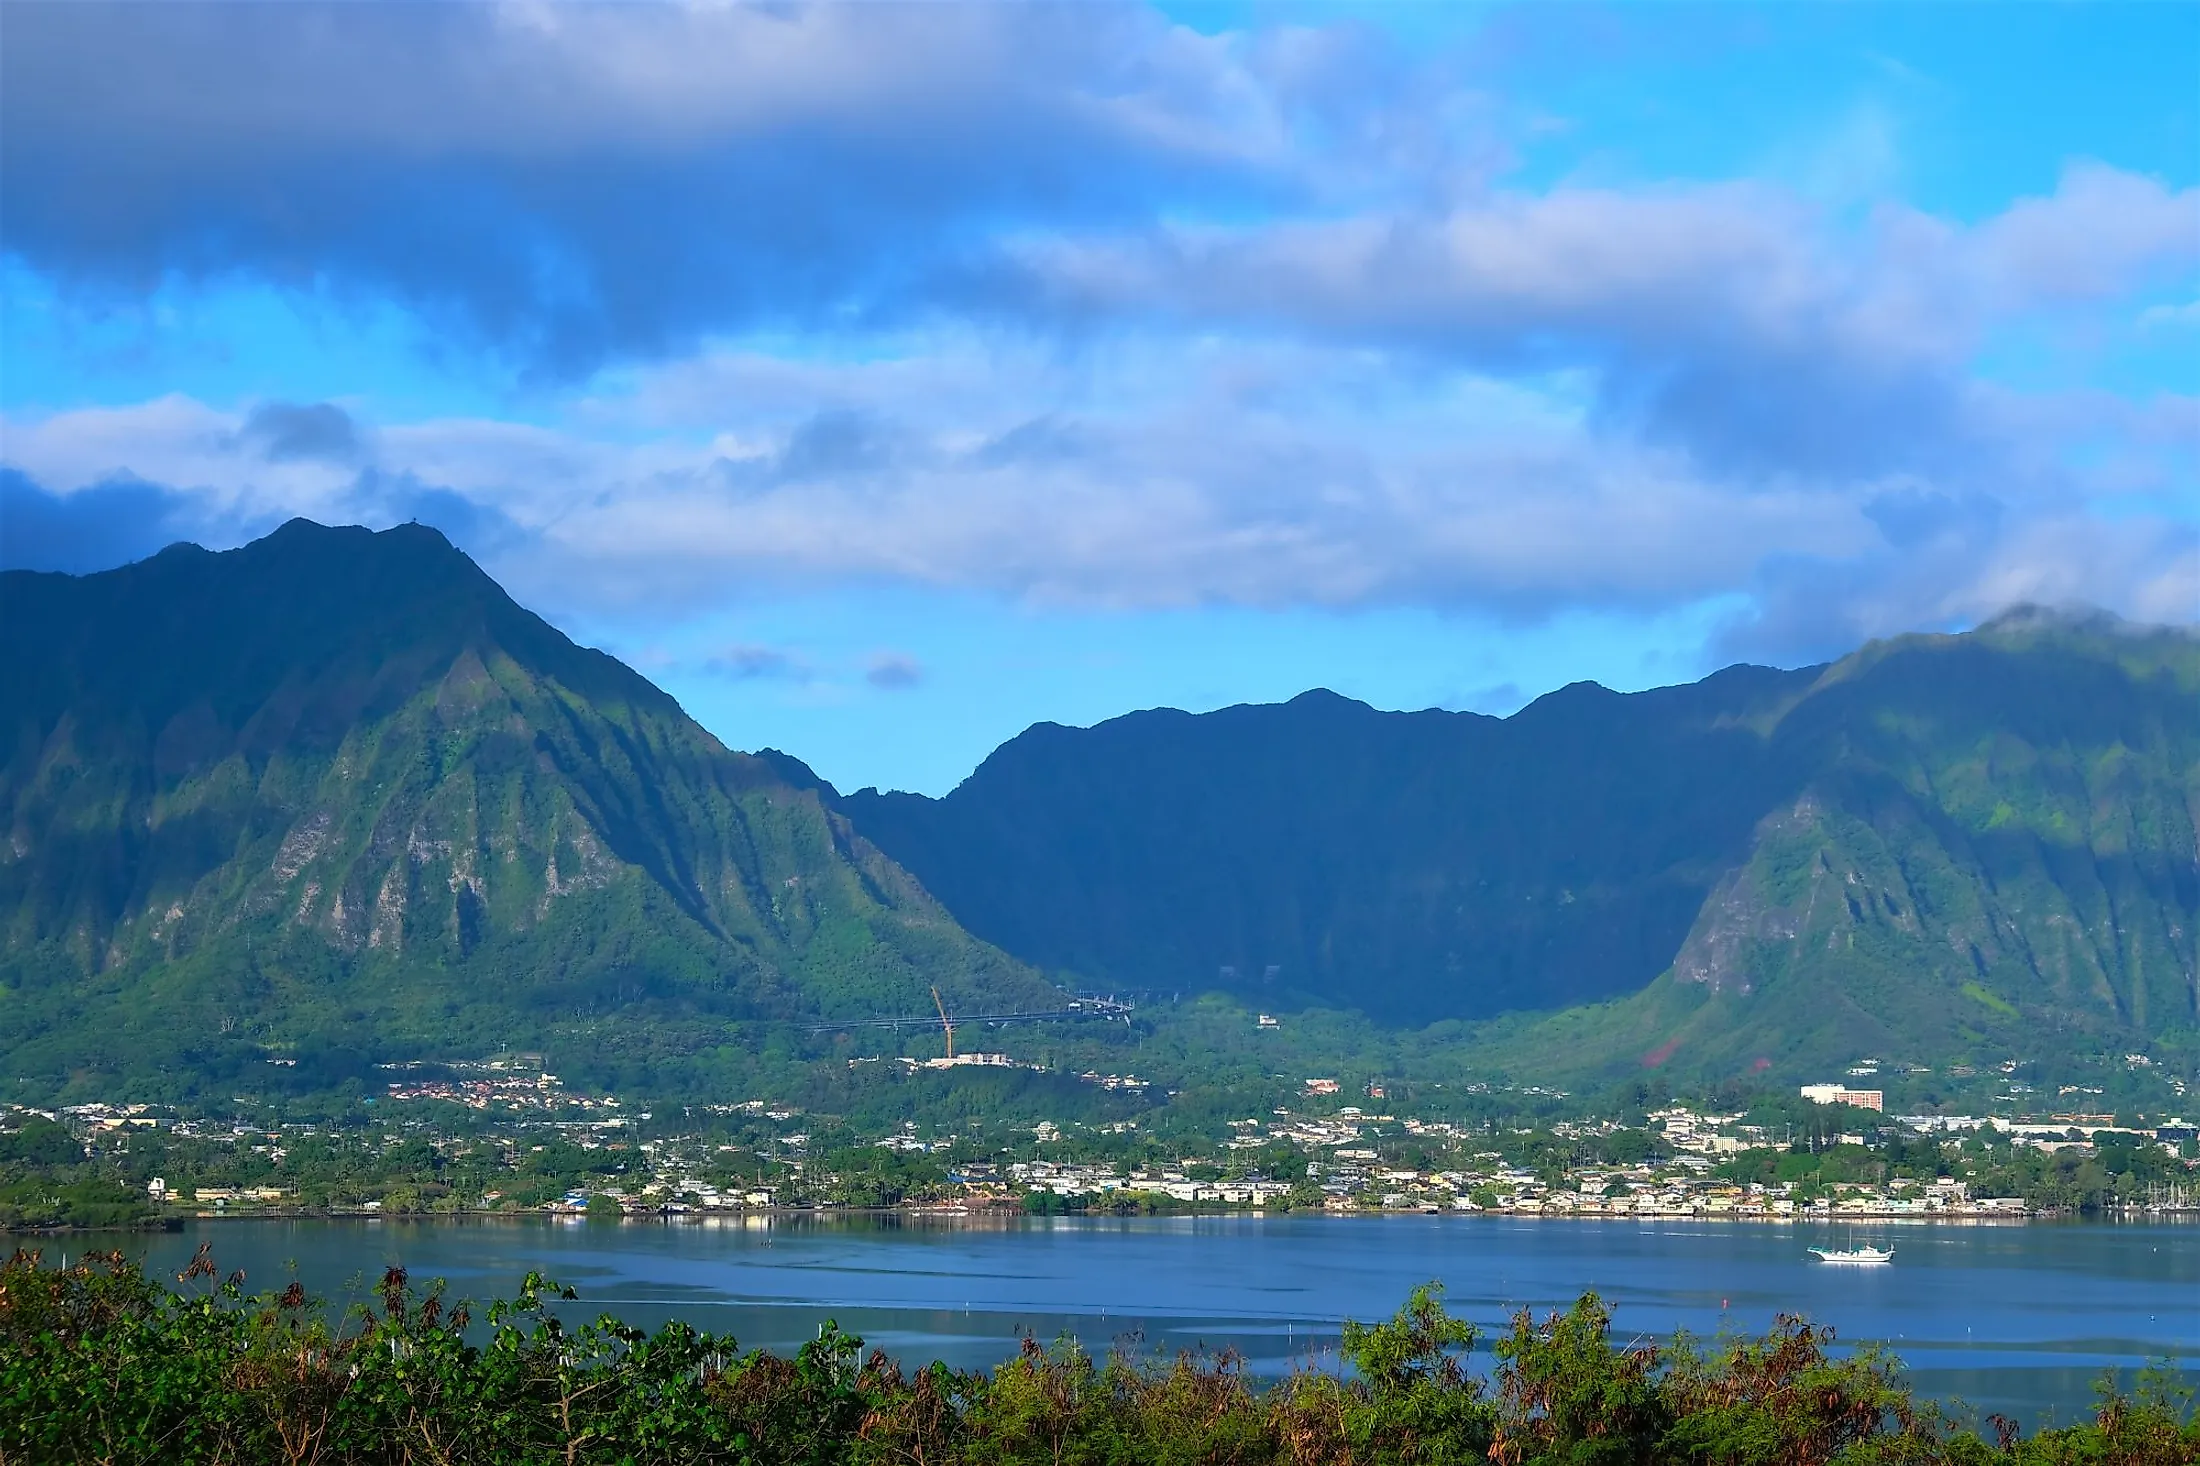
<point x="576" y="183"/>
<point x="1163" y="481"/>
<point x="1078" y="306"/>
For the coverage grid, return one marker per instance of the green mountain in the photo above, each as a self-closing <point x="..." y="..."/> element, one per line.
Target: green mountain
<point x="1937" y="844"/>
<point x="334" y="797"/>
<point x="335" y="791"/>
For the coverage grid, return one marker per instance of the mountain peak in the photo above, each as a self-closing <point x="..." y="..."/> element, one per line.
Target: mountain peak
<point x="348" y="754"/>
<point x="412" y="542"/>
<point x="2034" y="616"/>
<point x="325" y="621"/>
<point x="1570" y="700"/>
<point x="300" y="529"/>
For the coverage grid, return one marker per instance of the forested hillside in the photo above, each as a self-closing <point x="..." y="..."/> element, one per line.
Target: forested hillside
<point x="336" y="791"/>
<point x="1934" y="838"/>
<point x="335" y="795"/>
<point x="1417" y="865"/>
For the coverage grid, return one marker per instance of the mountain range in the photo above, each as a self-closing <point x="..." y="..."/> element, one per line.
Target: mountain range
<point x="335" y="790"/>
<point x="1939" y="842"/>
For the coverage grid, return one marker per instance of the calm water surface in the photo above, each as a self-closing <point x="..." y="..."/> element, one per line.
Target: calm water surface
<point x="2016" y="1318"/>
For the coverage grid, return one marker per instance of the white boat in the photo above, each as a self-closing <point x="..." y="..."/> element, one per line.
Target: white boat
<point x="1865" y="1255"/>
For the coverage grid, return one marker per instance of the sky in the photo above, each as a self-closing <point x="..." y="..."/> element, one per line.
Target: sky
<point x="883" y="379"/>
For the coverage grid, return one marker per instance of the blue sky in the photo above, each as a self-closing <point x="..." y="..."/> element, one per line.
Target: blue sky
<point x="884" y="379"/>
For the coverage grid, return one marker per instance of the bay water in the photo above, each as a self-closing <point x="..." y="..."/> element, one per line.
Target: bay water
<point x="2015" y="1318"/>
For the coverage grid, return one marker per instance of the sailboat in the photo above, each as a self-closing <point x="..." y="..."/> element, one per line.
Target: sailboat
<point x="1863" y="1255"/>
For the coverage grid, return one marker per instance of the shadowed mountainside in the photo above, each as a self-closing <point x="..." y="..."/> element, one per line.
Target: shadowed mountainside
<point x="1937" y="840"/>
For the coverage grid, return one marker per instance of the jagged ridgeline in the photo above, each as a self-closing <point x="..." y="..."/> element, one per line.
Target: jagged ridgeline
<point x="337" y="786"/>
<point x="1938" y="845"/>
<point x="336" y="790"/>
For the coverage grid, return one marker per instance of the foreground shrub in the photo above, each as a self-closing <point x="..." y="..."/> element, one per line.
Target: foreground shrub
<point x="100" y="1363"/>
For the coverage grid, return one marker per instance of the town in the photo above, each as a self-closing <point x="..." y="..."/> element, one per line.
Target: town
<point x="506" y="1136"/>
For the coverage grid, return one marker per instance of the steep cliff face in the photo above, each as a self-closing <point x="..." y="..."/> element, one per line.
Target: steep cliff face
<point x="340" y="779"/>
<point x="1997" y="831"/>
<point x="1933" y="838"/>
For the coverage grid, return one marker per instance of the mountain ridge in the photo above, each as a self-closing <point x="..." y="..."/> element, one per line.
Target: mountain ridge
<point x="337" y="783"/>
<point x="335" y="789"/>
<point x="1945" y="770"/>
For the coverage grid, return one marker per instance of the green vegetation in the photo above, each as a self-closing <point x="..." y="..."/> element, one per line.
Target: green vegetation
<point x="2114" y="1172"/>
<point x="331" y="800"/>
<point x="1939" y="848"/>
<point x="33" y="1203"/>
<point x="46" y="1181"/>
<point x="99" y="1363"/>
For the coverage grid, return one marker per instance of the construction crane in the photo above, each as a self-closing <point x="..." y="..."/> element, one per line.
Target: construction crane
<point x="1087" y="1007"/>
<point x="946" y="1023"/>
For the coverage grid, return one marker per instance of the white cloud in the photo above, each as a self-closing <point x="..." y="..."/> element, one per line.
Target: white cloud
<point x="177" y="442"/>
<point x="1730" y="319"/>
<point x="570" y="184"/>
<point x="1078" y="306"/>
<point x="2186" y="316"/>
<point x="1139" y="474"/>
<point x="2101" y="234"/>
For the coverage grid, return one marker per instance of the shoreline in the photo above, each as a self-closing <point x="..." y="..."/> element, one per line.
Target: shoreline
<point x="1002" y="1214"/>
